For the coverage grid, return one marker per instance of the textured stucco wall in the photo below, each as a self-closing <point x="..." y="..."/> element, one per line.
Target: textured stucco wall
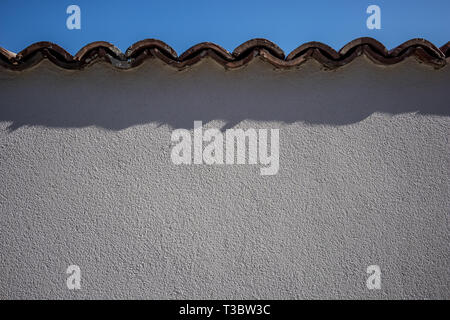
<point x="87" y="179"/>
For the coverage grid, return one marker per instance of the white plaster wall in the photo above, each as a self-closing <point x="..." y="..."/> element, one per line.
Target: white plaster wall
<point x="86" y="179"/>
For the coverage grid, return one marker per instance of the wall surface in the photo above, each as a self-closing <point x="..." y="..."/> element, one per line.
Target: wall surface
<point x="87" y="179"/>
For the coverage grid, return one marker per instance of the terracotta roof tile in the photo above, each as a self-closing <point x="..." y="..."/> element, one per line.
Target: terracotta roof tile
<point x="421" y="49"/>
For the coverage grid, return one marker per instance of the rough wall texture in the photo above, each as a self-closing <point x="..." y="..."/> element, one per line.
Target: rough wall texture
<point x="87" y="179"/>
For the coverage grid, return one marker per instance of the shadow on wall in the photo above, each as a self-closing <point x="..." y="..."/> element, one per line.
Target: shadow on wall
<point x="114" y="99"/>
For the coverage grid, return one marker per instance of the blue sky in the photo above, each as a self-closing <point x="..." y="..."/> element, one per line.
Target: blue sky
<point x="228" y="23"/>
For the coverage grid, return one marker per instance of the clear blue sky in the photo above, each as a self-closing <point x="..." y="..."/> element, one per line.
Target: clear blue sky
<point x="228" y="23"/>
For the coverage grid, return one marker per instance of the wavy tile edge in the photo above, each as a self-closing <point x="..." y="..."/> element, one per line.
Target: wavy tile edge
<point x="423" y="50"/>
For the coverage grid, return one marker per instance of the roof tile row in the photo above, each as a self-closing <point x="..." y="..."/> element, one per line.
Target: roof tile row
<point x="421" y="49"/>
